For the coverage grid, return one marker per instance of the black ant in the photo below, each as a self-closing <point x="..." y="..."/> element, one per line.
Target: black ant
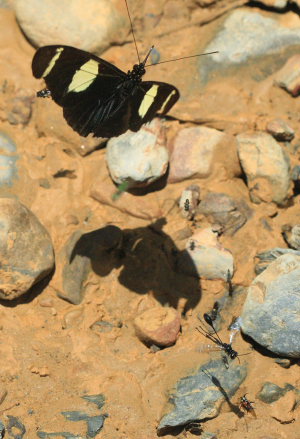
<point x="186" y="205"/>
<point x="192" y="245"/>
<point x="226" y="347"/>
<point x="230" y="286"/>
<point x="194" y="427"/>
<point x="247" y="405"/>
<point x="45" y="93"/>
<point x="214" y="312"/>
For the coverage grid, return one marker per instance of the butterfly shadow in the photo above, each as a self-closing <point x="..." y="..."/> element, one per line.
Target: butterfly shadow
<point x="148" y="260"/>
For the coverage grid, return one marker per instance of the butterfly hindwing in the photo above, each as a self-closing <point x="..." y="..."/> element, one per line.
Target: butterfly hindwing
<point x="107" y="120"/>
<point x="73" y="75"/>
<point x="150" y="98"/>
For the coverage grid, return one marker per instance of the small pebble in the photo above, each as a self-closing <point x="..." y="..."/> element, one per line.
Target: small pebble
<point x="292" y="235"/>
<point x="46" y="302"/>
<point x="288" y="77"/>
<point x="72" y="318"/>
<point x="159" y="326"/>
<point x="280" y="130"/>
<point x="3" y="394"/>
<point x="283" y="362"/>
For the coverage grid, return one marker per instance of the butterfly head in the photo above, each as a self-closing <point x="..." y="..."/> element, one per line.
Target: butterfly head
<point x="137" y="72"/>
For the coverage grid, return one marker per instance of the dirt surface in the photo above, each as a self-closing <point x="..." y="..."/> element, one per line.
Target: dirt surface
<point x="52" y="354"/>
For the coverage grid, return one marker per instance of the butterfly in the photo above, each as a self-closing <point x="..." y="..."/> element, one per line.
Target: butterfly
<point x="98" y="98"/>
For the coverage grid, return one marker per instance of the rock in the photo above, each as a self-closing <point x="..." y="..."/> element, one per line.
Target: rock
<point x="138" y="158"/>
<point x="26" y="251"/>
<point x="266" y="166"/>
<point x="270" y="392"/>
<point x="75" y="259"/>
<point x="50" y="22"/>
<point x="189" y="201"/>
<point x="205" y="257"/>
<point x="271" y="36"/>
<point x="291" y="235"/>
<point x="2" y="430"/>
<point x="200" y="396"/>
<point x="6" y="4"/>
<point x="95" y="424"/>
<point x="99" y="399"/>
<point x="284" y="362"/>
<point x="158" y="326"/>
<point x="208" y="435"/>
<point x="72" y="318"/>
<point x="18" y="108"/>
<point x="59" y="435"/>
<point x="15" y="428"/>
<point x="8" y="159"/>
<point x="265" y="258"/>
<point x="222" y="209"/>
<point x="288" y="77"/>
<point x="198" y="152"/>
<point x="275" y="293"/>
<point x="280" y="130"/>
<point x="296" y="173"/>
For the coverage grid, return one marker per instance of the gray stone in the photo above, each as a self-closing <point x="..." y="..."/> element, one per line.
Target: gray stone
<point x="75" y="416"/>
<point x="284" y="362"/>
<point x="270" y="392"/>
<point x="205" y="257"/>
<point x="200" y="396"/>
<point x="59" y="434"/>
<point x="224" y="210"/>
<point x="8" y="159"/>
<point x="266" y="166"/>
<point x="256" y="33"/>
<point x="291" y="235"/>
<point x="79" y="253"/>
<point x="265" y="258"/>
<point x="296" y="173"/>
<point x="15" y="428"/>
<point x="138" y="158"/>
<point x="95" y="424"/>
<point x="2" y="430"/>
<point x="272" y="304"/>
<point x="99" y="399"/>
<point x="49" y="22"/>
<point x="26" y="251"/>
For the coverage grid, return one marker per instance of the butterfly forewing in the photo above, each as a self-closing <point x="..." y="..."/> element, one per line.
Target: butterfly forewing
<point x="70" y="74"/>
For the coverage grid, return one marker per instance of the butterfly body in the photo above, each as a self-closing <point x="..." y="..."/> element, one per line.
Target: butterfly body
<point x="97" y="97"/>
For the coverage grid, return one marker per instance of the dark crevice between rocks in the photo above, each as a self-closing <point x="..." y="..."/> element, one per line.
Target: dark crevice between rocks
<point x="259" y="348"/>
<point x="291" y="7"/>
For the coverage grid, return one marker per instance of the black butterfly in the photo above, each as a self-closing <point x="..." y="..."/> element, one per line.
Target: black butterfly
<point x="96" y="96"/>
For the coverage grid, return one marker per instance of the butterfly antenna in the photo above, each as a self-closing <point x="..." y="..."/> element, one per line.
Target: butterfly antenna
<point x="131" y="25"/>
<point x="184" y="57"/>
<point x="147" y="56"/>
